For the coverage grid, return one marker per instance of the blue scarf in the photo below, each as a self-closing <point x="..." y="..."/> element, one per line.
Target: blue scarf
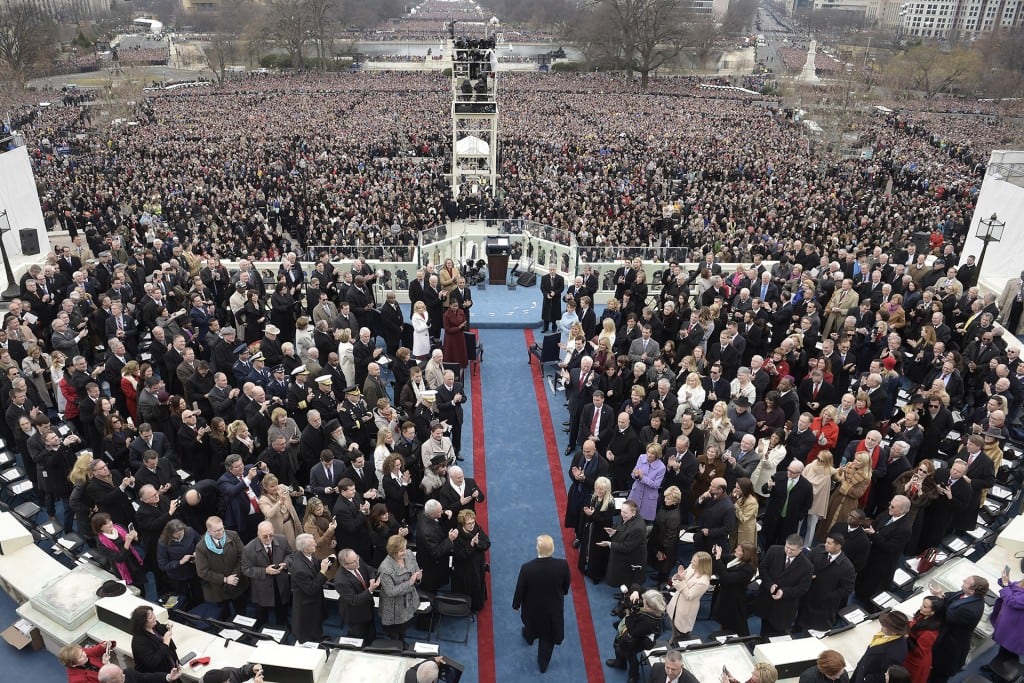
<point x="211" y="545"/>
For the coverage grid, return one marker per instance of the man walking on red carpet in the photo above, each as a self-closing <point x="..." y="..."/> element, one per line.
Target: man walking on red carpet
<point x="540" y="593"/>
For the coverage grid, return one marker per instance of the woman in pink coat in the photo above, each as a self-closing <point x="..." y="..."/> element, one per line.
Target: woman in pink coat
<point x="691" y="584"/>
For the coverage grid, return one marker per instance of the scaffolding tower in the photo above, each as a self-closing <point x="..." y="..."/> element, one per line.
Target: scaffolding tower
<point x="474" y="68"/>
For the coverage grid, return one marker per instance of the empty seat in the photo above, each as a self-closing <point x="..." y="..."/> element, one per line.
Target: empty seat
<point x="456" y="605"/>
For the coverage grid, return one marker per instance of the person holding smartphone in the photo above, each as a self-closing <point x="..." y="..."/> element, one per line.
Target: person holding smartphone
<point x="1008" y="620"/>
<point x="153" y="647"/>
<point x="83" y="663"/>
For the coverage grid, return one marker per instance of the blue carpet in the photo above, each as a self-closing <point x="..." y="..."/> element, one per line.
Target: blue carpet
<point x="498" y="307"/>
<point x="521" y="505"/>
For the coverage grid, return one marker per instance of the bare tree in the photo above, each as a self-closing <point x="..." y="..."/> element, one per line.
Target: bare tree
<point x="223" y="47"/>
<point x="291" y="25"/>
<point x="26" y="40"/>
<point x="325" y="15"/>
<point x="641" y="35"/>
<point x="929" y="69"/>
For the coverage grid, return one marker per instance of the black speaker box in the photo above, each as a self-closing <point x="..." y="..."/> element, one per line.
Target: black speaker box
<point x="528" y="279"/>
<point x="29" y="241"/>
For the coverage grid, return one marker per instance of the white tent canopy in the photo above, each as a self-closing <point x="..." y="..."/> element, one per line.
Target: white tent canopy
<point x="472" y="146"/>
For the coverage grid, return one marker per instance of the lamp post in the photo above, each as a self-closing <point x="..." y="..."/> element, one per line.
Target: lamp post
<point x="12" y="290"/>
<point x="988" y="230"/>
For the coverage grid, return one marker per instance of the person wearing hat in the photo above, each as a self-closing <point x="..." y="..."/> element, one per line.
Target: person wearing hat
<point x="742" y="420"/>
<point x="356" y="419"/>
<point x="337" y="443"/>
<point x="278" y="385"/>
<point x="243" y="366"/>
<point x="435" y="476"/>
<point x="270" y="346"/>
<point x="425" y="415"/>
<point x="323" y="399"/>
<point x="222" y="351"/>
<point x="298" y="395"/>
<point x="888" y="647"/>
<point x="259" y="375"/>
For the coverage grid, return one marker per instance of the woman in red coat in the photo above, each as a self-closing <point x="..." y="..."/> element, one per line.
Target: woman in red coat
<point x="826" y="433"/>
<point x="455" y="324"/>
<point x="924" y="629"/>
<point x="129" y="387"/>
<point x="84" y="663"/>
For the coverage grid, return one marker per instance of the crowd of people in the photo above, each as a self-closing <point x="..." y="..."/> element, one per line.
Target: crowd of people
<point x="705" y="396"/>
<point x="773" y="392"/>
<point x="584" y="153"/>
<point x="247" y="459"/>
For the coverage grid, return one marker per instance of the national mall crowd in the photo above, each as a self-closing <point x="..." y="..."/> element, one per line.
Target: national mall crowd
<point x="713" y="389"/>
<point x="584" y="153"/>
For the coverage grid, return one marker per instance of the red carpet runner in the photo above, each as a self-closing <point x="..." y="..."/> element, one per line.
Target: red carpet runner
<point x="584" y="622"/>
<point x="485" y="619"/>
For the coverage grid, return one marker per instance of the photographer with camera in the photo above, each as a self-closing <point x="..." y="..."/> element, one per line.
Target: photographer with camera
<point x="637" y="630"/>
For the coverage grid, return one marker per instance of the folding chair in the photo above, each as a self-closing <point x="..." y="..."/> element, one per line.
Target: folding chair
<point x="452" y="605"/>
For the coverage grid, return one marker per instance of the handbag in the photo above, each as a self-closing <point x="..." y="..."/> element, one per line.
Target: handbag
<point x="927" y="559"/>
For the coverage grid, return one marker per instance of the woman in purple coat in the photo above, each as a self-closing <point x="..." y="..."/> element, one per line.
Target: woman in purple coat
<point x="1008" y="621"/>
<point x="647" y="477"/>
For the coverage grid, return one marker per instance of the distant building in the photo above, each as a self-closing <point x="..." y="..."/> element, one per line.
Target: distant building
<point x="713" y="8"/>
<point x="963" y="18"/>
<point x="65" y="9"/>
<point x="934" y="18"/>
<point x="859" y="8"/>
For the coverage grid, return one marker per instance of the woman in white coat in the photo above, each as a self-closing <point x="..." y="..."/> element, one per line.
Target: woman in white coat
<point x="691" y="584"/>
<point x="420" y="331"/>
<point x="771" y="450"/>
<point x="346" y="359"/>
